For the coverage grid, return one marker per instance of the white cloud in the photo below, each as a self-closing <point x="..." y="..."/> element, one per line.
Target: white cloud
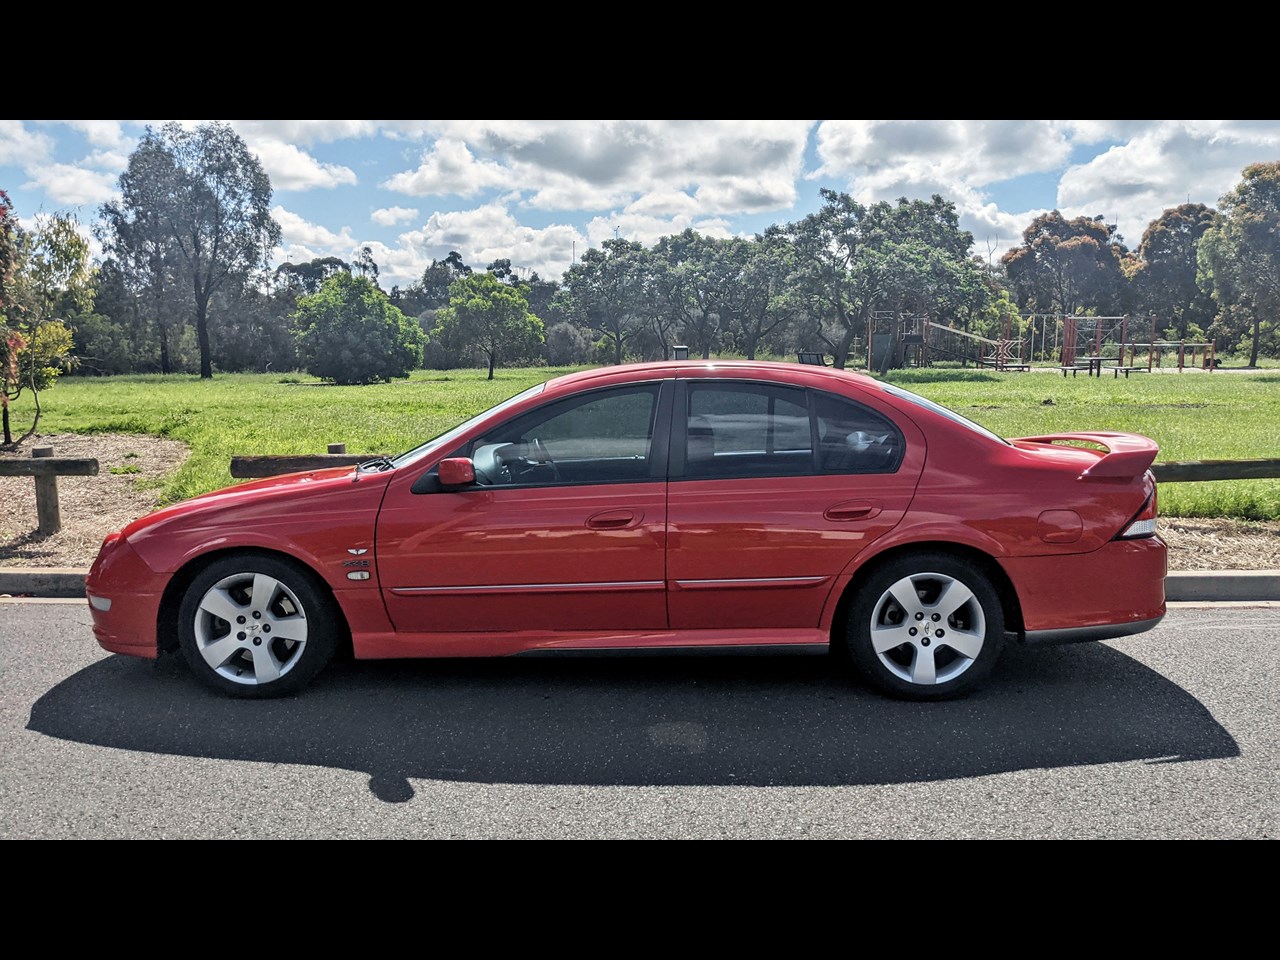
<point x="648" y="230"/>
<point x="101" y="133"/>
<point x="305" y="132"/>
<point x="1168" y="163"/>
<point x="64" y="183"/>
<point x="976" y="152"/>
<point x="302" y="240"/>
<point x="390" y="216"/>
<point x="724" y="166"/>
<point x="22" y="147"/>
<point x="449" y="168"/>
<point x="490" y="233"/>
<point x="111" y="160"/>
<point x="294" y="169"/>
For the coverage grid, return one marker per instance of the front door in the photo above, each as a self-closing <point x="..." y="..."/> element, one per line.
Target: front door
<point x="565" y="529"/>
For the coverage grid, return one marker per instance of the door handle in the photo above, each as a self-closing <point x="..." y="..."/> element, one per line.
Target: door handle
<point x="614" y="519"/>
<point x="853" y="510"/>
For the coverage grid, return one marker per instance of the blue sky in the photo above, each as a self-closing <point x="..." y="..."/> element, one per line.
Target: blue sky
<point x="539" y="192"/>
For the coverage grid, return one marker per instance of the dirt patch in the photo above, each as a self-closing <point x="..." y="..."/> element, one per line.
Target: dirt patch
<point x="1218" y="544"/>
<point x="91" y="507"/>
<point x="94" y="506"/>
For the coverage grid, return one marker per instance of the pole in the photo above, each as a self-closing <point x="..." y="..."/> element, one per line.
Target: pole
<point x="48" y="514"/>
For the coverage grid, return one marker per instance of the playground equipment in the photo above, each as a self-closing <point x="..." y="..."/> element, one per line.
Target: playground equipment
<point x="1068" y="343"/>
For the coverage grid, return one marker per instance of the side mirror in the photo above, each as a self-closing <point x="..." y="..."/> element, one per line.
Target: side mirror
<point x="457" y="472"/>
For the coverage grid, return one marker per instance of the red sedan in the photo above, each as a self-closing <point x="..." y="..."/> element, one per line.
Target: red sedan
<point x="658" y="507"/>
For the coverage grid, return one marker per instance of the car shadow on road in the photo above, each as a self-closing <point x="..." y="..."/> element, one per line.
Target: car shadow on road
<point x="751" y="721"/>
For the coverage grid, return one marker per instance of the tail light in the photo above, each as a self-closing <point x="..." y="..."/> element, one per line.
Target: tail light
<point x="1143" y="523"/>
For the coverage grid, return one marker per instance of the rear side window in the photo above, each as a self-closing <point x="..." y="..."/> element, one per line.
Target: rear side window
<point x="764" y="430"/>
<point x="853" y="438"/>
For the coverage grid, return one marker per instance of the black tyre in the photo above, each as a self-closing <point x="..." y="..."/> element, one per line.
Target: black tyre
<point x="926" y="627"/>
<point x="257" y="626"/>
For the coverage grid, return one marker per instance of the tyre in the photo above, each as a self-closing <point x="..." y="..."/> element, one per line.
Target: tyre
<point x="926" y="627"/>
<point x="257" y="626"/>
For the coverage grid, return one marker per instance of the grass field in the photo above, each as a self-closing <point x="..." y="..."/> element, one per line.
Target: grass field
<point x="1192" y="416"/>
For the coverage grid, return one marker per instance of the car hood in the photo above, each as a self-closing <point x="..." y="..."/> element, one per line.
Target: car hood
<point x="270" y="499"/>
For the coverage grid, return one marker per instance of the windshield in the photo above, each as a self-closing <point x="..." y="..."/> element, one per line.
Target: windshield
<point x="447" y="438"/>
<point x="942" y="411"/>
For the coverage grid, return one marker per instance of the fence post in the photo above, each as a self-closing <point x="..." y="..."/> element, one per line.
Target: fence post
<point x="48" y="515"/>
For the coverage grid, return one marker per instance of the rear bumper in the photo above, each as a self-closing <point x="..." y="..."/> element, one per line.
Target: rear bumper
<point x="1114" y="591"/>
<point x="1081" y="634"/>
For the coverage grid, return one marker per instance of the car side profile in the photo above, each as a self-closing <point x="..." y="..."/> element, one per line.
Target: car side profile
<point x="662" y="507"/>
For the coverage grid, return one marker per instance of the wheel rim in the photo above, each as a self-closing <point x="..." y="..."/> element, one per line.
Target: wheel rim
<point x="928" y="628"/>
<point x="250" y="628"/>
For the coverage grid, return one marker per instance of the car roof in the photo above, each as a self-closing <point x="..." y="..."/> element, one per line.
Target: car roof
<point x="796" y="374"/>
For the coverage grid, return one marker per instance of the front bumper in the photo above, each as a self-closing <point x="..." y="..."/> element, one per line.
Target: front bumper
<point x="124" y="597"/>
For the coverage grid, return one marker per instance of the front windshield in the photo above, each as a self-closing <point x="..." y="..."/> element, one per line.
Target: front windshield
<point x="447" y="438"/>
<point x="941" y="411"/>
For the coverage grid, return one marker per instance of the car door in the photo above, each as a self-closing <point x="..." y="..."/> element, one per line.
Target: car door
<point x="564" y="531"/>
<point x="774" y="490"/>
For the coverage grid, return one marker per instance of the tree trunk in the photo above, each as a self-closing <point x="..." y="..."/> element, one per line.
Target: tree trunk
<point x="164" y="348"/>
<point x="8" y="434"/>
<point x="202" y="337"/>
<point x="491" y="366"/>
<point x="1257" y="330"/>
<point x="617" y="350"/>
<point x="841" y="350"/>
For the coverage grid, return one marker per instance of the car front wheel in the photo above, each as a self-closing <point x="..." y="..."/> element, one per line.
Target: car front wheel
<point x="926" y="627"/>
<point x="256" y="626"/>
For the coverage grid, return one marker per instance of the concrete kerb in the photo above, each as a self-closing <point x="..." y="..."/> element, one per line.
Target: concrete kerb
<point x="1181" y="585"/>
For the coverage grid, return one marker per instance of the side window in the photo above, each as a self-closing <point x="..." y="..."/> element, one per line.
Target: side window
<point x="603" y="437"/>
<point x="853" y="438"/>
<point x="746" y="430"/>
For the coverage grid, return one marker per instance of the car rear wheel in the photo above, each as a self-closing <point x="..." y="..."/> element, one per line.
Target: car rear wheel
<point x="926" y="627"/>
<point x="256" y="626"/>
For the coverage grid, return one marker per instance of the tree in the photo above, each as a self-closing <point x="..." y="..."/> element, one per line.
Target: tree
<point x="1239" y="258"/>
<point x="492" y="317"/>
<point x="1067" y="266"/>
<point x="763" y="303"/>
<point x="1165" y="272"/>
<point x="604" y="291"/>
<point x="350" y="332"/>
<point x="307" y="277"/>
<point x="195" y="202"/>
<point x="853" y="261"/>
<point x="51" y="279"/>
<point x="366" y="265"/>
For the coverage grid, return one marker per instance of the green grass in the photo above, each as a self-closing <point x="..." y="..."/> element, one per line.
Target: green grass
<point x="236" y="414"/>
<point x="1192" y="416"/>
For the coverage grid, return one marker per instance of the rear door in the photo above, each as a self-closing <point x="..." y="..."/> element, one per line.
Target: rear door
<point x="774" y="490"/>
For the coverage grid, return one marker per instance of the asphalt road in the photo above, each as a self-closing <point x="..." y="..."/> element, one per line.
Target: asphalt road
<point x="1171" y="734"/>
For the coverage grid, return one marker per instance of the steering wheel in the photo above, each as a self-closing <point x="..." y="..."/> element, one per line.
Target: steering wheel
<point x="543" y="458"/>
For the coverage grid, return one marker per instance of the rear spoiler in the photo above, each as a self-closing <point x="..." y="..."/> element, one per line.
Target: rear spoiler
<point x="1128" y="454"/>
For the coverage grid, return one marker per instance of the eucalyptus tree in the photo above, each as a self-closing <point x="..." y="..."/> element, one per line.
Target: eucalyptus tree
<point x="1240" y="261"/>
<point x="198" y="200"/>
<point x="1165" y="273"/>
<point x="604" y="291"/>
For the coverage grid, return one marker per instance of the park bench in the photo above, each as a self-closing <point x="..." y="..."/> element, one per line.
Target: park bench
<point x="1116" y="371"/>
<point x="814" y="359"/>
<point x="46" y="468"/>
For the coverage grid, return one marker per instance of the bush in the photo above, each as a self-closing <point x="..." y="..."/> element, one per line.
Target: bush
<point x="350" y="332"/>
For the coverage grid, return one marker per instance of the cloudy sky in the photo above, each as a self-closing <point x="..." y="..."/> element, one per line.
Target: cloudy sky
<point x="539" y="192"/>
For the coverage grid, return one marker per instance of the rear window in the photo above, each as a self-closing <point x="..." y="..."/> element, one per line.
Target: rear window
<point x="942" y="411"/>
